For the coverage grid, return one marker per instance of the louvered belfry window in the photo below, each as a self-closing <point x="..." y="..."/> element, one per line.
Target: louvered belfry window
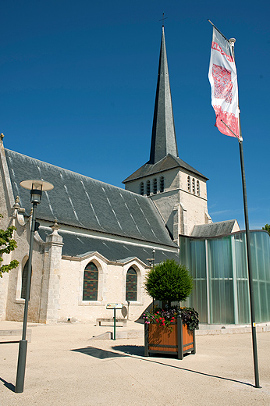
<point x="198" y="188"/>
<point x="148" y="186"/>
<point x="155" y="186"/>
<point x="188" y="183"/>
<point x="142" y="188"/>
<point x="131" y="285"/>
<point x="161" y="184"/>
<point x="90" y="282"/>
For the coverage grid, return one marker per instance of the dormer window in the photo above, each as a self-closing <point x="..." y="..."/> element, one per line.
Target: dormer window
<point x="161" y="184"/>
<point x="142" y="188"/>
<point x="155" y="186"/>
<point x="148" y="188"/>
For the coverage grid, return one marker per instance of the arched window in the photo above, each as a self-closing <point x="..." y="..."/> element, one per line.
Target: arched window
<point x="188" y="184"/>
<point x="148" y="188"/>
<point x="90" y="282"/>
<point x="161" y="184"/>
<point x="142" y="188"/>
<point x="198" y="188"/>
<point x="193" y="186"/>
<point x="131" y="285"/>
<point x="24" y="280"/>
<point x="155" y="186"/>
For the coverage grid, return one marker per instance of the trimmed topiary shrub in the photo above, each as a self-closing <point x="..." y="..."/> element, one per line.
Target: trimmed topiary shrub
<point x="169" y="282"/>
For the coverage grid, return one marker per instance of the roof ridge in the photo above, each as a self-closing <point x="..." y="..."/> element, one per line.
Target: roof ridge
<point x="70" y="171"/>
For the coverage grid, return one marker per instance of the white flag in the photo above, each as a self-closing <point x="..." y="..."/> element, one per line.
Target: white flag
<point x="223" y="79"/>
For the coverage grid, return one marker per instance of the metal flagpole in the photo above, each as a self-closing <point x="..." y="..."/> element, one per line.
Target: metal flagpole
<point x="251" y="294"/>
<point x="250" y="280"/>
<point x="249" y="265"/>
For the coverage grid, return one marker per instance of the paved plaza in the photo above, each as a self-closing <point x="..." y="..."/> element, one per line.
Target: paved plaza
<point x="67" y="366"/>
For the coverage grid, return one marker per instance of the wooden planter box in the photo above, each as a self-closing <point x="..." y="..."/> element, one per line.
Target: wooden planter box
<point x="159" y="339"/>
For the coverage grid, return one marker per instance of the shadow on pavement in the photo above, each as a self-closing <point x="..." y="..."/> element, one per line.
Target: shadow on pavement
<point x="132" y="350"/>
<point x="98" y="353"/>
<point x="8" y="385"/>
<point x="138" y="351"/>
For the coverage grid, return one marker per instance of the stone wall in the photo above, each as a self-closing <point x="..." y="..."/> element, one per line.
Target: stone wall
<point x="180" y="206"/>
<point x="111" y="289"/>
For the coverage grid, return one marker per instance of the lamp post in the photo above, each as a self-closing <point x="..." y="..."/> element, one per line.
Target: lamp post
<point x="36" y="188"/>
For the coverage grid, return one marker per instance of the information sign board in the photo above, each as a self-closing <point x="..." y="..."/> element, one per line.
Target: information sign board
<point x="114" y="306"/>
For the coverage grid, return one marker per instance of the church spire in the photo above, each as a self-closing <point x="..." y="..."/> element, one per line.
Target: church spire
<point x="163" y="131"/>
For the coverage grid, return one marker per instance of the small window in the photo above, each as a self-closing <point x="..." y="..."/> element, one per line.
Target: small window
<point x="90" y="282"/>
<point x="148" y="188"/>
<point x="24" y="280"/>
<point x="188" y="184"/>
<point x="142" y="188"/>
<point x="161" y="184"/>
<point x="131" y="285"/>
<point x="155" y="186"/>
<point x="198" y="188"/>
<point x="193" y="186"/>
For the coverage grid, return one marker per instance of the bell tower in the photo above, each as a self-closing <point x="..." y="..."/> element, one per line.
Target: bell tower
<point x="177" y="189"/>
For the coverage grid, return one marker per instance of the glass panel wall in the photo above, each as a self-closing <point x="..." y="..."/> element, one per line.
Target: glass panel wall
<point x="219" y="270"/>
<point x="193" y="255"/>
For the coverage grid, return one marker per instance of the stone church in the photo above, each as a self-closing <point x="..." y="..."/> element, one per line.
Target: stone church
<point x="96" y="242"/>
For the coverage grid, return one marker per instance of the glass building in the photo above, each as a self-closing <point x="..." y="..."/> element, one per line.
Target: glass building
<point x="219" y="269"/>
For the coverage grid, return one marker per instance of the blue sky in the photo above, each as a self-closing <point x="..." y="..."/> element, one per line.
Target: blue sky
<point x="78" y="82"/>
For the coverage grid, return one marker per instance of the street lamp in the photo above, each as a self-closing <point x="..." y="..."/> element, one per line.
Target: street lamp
<point x="36" y="188"/>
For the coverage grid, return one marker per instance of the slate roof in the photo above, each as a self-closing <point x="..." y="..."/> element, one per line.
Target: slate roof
<point x="168" y="162"/>
<point x="83" y="202"/>
<point x="213" y="229"/>
<point x="78" y="245"/>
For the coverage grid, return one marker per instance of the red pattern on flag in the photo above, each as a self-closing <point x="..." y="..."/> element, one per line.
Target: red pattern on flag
<point x="218" y="48"/>
<point x="222" y="83"/>
<point x="229" y="119"/>
<point x="224" y="89"/>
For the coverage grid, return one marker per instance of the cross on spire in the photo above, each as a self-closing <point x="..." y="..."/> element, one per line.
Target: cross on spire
<point x="162" y="19"/>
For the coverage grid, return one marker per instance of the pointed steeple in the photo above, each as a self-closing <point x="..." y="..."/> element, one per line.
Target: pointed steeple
<point x="163" y="131"/>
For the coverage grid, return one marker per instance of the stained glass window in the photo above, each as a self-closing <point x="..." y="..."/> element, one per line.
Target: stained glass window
<point x="131" y="285"/>
<point x="90" y="282"/>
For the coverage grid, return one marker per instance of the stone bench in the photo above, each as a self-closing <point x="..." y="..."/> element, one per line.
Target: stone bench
<point x="110" y="320"/>
<point x="14" y="335"/>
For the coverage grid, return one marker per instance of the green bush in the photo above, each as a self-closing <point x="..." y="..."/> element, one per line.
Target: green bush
<point x="169" y="282"/>
<point x="7" y="244"/>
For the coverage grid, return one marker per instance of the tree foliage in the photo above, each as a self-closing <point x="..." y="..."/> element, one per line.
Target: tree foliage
<point x="7" y="244"/>
<point x="169" y="281"/>
<point x="267" y="228"/>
